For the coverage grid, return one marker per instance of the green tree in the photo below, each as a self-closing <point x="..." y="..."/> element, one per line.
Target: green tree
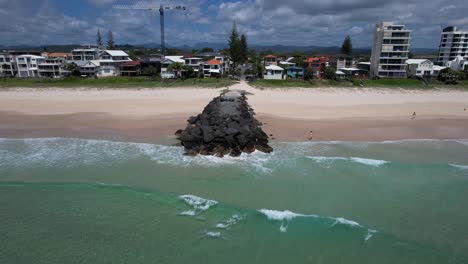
<point x="410" y="55"/>
<point x="150" y="71"/>
<point x="330" y="73"/>
<point x="176" y="68"/>
<point x="347" y="47"/>
<point x="449" y="76"/>
<point x="308" y="73"/>
<point x="73" y="69"/>
<point x="206" y="49"/>
<point x="110" y="40"/>
<point x="187" y="71"/>
<point x="234" y="46"/>
<point x="98" y="38"/>
<point x="243" y="48"/>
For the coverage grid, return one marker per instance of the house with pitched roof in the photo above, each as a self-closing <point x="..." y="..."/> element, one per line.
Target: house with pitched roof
<point x="212" y="68"/>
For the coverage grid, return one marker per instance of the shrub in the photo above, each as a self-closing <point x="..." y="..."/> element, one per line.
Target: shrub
<point x="330" y="73"/>
<point x="308" y="73"/>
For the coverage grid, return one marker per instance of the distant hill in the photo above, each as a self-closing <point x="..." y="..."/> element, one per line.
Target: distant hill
<point x="219" y="46"/>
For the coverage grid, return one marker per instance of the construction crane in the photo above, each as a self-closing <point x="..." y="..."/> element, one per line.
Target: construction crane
<point x="162" y="9"/>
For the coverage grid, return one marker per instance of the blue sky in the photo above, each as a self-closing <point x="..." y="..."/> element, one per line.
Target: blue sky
<point x="268" y="22"/>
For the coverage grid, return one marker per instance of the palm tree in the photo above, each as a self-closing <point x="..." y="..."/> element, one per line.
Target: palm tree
<point x="176" y="68"/>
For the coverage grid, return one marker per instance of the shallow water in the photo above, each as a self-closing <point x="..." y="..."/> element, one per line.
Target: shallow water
<point x="88" y="201"/>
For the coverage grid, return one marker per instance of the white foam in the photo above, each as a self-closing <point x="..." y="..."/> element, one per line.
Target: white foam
<point x="344" y="221"/>
<point x="369" y="162"/>
<point x="198" y="203"/>
<point x="188" y="213"/>
<point x="370" y="234"/>
<point x="287" y="216"/>
<point x="227" y="224"/>
<point x="67" y="152"/>
<point x="281" y="215"/>
<point x="461" y="167"/>
<point x="213" y="234"/>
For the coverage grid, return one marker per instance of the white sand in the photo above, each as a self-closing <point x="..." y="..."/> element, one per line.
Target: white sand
<point x="322" y="103"/>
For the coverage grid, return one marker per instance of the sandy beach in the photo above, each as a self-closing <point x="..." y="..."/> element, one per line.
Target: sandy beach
<point x="152" y="115"/>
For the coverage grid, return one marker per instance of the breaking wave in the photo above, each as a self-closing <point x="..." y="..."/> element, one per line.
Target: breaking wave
<point x="198" y="204"/>
<point x="461" y="167"/>
<point x="369" y="162"/>
<point x="285" y="217"/>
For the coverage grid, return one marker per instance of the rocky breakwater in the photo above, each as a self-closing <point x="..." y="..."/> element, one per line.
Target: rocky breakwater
<point x="226" y="126"/>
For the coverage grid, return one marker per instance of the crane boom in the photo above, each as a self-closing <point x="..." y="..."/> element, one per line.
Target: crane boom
<point x="161" y="9"/>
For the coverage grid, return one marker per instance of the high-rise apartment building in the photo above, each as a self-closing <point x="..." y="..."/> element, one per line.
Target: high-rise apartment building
<point x="453" y="43"/>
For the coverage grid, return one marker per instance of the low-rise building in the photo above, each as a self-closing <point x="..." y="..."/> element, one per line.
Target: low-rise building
<point x="318" y="64"/>
<point x="458" y="64"/>
<point x="8" y="66"/>
<point x="419" y="68"/>
<point x="211" y="68"/>
<point x="270" y="60"/>
<point x="295" y="72"/>
<point x="86" y="53"/>
<point x="340" y="61"/>
<point x="168" y="60"/>
<point x="28" y="65"/>
<point x="273" y="72"/>
<point x="51" y="67"/>
<point x="130" y="68"/>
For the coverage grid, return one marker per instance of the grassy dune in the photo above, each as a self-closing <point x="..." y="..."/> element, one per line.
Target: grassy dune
<point x="112" y="82"/>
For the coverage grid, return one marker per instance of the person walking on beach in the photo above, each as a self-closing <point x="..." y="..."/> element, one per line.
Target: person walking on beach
<point x="414" y="116"/>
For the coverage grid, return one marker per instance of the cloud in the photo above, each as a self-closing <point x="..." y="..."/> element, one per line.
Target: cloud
<point x="292" y="22"/>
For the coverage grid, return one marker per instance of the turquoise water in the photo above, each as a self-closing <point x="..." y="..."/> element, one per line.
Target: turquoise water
<point x="88" y="201"/>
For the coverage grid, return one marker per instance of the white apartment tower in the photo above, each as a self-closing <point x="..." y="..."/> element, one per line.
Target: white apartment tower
<point x="453" y="43"/>
<point x="390" y="50"/>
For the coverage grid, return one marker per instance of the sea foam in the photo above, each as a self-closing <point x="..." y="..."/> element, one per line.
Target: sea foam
<point x="198" y="203"/>
<point x="461" y="167"/>
<point x="369" y="162"/>
<point x="285" y="217"/>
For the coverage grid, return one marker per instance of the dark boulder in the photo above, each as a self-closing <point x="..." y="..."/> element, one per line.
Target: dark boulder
<point x="226" y="126"/>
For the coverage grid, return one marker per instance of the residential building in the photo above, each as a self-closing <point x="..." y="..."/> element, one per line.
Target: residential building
<point x="153" y="60"/>
<point x="56" y="55"/>
<point x="130" y="68"/>
<point x="211" y="68"/>
<point x="453" y="43"/>
<point x="340" y="61"/>
<point x="225" y="63"/>
<point x="193" y="62"/>
<point x="88" y="68"/>
<point x="109" y="62"/>
<point x="318" y="64"/>
<point x="419" y="68"/>
<point x="86" y="53"/>
<point x="458" y="64"/>
<point x="270" y="60"/>
<point x="390" y="50"/>
<point x="295" y="72"/>
<point x="273" y="72"/>
<point x="51" y="67"/>
<point x="168" y="60"/>
<point x="8" y="66"/>
<point x="436" y="70"/>
<point x="28" y="65"/>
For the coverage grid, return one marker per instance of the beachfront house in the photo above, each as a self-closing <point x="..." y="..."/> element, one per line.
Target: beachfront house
<point x="436" y="70"/>
<point x="211" y="68"/>
<point x="295" y="72"/>
<point x="193" y="62"/>
<point x="28" y="65"/>
<point x="273" y="72"/>
<point x="340" y="61"/>
<point x="109" y="62"/>
<point x="318" y="64"/>
<point x="51" y="67"/>
<point x="168" y="60"/>
<point x="458" y="64"/>
<point x="8" y="66"/>
<point x="130" y="69"/>
<point x="419" y="68"/>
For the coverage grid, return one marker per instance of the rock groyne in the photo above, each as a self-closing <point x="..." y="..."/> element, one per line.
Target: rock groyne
<point x="226" y="126"/>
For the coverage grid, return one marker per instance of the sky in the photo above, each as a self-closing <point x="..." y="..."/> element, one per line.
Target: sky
<point x="265" y="22"/>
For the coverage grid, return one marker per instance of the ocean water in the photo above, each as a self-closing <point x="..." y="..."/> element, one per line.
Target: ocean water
<point x="90" y="201"/>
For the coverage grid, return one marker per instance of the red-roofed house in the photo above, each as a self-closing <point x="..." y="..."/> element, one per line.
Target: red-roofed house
<point x="318" y="63"/>
<point x="130" y="68"/>
<point x="212" y="68"/>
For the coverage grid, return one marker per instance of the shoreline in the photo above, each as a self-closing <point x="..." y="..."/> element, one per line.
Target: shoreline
<point x="161" y="129"/>
<point x="153" y="115"/>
